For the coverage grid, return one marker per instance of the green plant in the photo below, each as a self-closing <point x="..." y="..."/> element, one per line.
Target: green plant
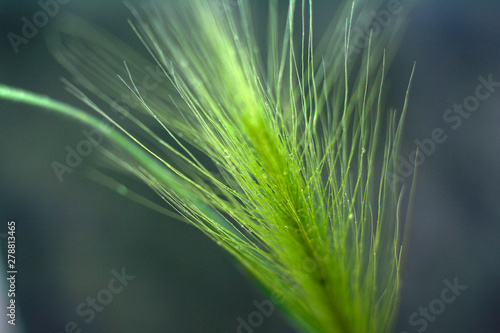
<point x="297" y="187"/>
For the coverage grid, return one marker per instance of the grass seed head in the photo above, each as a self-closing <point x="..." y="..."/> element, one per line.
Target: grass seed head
<point x="282" y="152"/>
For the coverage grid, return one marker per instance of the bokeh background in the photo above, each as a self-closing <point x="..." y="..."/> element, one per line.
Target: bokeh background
<point x="72" y="234"/>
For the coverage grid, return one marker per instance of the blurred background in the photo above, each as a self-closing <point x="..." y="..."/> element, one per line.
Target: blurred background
<point x="72" y="235"/>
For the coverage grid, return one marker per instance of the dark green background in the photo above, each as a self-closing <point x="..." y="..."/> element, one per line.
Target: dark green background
<point x="72" y="234"/>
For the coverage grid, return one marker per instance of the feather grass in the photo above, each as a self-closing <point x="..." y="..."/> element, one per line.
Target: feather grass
<point x="298" y="189"/>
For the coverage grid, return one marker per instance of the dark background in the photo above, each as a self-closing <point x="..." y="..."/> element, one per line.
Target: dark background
<point x="70" y="235"/>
